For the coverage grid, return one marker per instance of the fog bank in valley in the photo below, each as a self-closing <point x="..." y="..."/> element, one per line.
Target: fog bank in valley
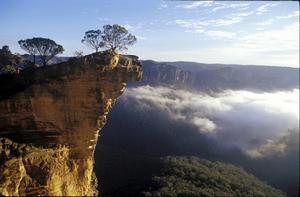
<point x="259" y="124"/>
<point x="255" y="130"/>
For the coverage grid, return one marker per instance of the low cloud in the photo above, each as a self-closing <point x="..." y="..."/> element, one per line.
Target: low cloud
<point x="197" y="4"/>
<point x="279" y="146"/>
<point x="196" y="24"/>
<point x="163" y="5"/>
<point x="294" y="14"/>
<point x="141" y="37"/>
<point x="223" y="6"/>
<point x="284" y="39"/>
<point x="267" y="22"/>
<point x="134" y="27"/>
<point x="266" y="47"/>
<point x="220" y="34"/>
<point x="204" y="124"/>
<point x="202" y="26"/>
<point x="264" y="8"/>
<point x="256" y="123"/>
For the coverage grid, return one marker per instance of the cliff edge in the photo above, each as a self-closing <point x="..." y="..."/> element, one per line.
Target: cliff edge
<point x="50" y="119"/>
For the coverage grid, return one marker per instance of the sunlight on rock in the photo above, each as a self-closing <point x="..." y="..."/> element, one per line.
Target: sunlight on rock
<point x="50" y="128"/>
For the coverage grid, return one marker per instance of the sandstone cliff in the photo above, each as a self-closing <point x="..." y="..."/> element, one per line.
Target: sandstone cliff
<point x="50" y="120"/>
<point x="219" y="77"/>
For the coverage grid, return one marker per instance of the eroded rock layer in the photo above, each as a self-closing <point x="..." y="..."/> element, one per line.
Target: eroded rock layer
<point x="50" y="120"/>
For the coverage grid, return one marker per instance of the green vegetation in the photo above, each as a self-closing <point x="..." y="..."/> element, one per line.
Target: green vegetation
<point x="125" y="174"/>
<point x="92" y="39"/>
<point x="8" y="69"/>
<point x="42" y="50"/>
<point x="8" y="61"/>
<point x="45" y="47"/>
<point x="112" y="37"/>
<point x="191" y="176"/>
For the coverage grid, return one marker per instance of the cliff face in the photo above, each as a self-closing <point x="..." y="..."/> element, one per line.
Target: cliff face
<point x="218" y="77"/>
<point x="156" y="73"/>
<point x="50" y="120"/>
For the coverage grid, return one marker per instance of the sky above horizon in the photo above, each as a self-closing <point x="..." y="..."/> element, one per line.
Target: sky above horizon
<point x="229" y="32"/>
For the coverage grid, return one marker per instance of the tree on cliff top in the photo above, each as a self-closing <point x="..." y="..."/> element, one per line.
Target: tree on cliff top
<point x="112" y="37"/>
<point x="117" y="37"/>
<point x="28" y="45"/>
<point x="92" y="39"/>
<point x="44" y="47"/>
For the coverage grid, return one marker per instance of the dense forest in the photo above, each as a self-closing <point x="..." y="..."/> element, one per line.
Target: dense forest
<point x="191" y="176"/>
<point x="129" y="174"/>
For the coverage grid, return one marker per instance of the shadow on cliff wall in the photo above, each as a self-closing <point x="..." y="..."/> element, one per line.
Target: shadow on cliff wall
<point x="55" y="114"/>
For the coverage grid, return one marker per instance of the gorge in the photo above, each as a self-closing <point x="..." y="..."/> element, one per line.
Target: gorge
<point x="51" y="118"/>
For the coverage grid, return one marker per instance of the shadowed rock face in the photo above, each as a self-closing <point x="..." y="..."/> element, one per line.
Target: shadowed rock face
<point x="50" y="120"/>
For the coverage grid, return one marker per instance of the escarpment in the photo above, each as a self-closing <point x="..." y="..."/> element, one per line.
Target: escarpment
<point x="219" y="77"/>
<point x="50" y="119"/>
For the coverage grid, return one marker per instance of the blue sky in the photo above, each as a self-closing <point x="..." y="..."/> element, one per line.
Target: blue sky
<point x="245" y="32"/>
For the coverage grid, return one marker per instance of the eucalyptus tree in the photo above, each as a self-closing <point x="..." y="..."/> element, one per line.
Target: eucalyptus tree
<point x="112" y="37"/>
<point x="92" y="39"/>
<point x="44" y="47"/>
<point x="116" y="37"/>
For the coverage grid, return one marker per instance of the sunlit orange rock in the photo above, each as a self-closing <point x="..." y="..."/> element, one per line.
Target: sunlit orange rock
<point x="50" y="119"/>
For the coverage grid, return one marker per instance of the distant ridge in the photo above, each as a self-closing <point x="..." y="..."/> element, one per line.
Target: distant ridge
<point x="218" y="77"/>
<point x="213" y="77"/>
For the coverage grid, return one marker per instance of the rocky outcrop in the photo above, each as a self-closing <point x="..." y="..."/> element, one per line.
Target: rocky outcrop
<point x="33" y="171"/>
<point x="50" y="120"/>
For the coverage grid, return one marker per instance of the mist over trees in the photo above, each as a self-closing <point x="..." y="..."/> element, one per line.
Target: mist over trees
<point x="44" y="47"/>
<point x="152" y="126"/>
<point x="112" y="37"/>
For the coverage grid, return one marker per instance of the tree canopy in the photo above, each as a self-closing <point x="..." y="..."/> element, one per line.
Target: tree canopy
<point x="93" y="39"/>
<point x="29" y="46"/>
<point x="191" y="176"/>
<point x="117" y="37"/>
<point x="44" y="47"/>
<point x="112" y="37"/>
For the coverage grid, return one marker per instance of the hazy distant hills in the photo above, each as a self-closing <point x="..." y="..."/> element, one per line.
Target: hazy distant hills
<point x="216" y="77"/>
<point x="212" y="77"/>
<point x="54" y="60"/>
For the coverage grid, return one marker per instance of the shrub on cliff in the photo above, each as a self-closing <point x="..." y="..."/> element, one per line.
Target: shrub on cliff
<point x="8" y="69"/>
<point x="7" y="58"/>
<point x="9" y="62"/>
